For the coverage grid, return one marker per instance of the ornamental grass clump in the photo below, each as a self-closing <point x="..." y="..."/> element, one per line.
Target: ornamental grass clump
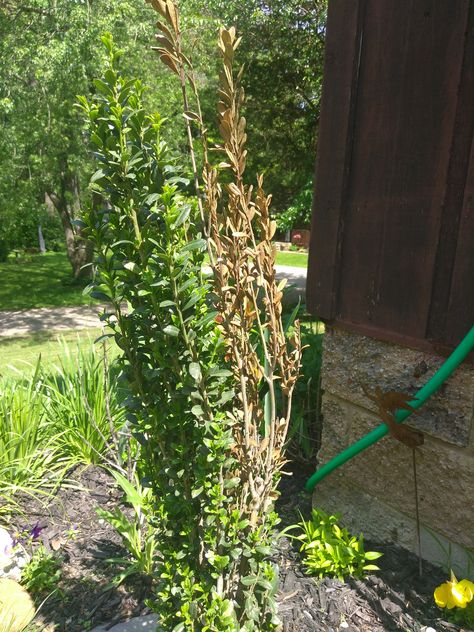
<point x="201" y="355"/>
<point x="30" y="460"/>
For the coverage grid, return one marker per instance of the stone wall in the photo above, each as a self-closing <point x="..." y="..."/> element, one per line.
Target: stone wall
<point x="374" y="491"/>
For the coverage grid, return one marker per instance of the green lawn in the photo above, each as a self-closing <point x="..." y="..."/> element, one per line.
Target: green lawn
<point x="39" y="281"/>
<point x="294" y="259"/>
<point x="46" y="280"/>
<point x="22" y="352"/>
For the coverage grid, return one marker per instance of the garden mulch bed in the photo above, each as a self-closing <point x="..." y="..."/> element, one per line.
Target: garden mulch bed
<point x="394" y="599"/>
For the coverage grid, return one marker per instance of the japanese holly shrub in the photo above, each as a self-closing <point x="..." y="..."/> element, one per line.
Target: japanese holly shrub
<point x="196" y="375"/>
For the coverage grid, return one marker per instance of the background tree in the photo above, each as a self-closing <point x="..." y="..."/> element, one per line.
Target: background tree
<point x="283" y="52"/>
<point x="50" y="51"/>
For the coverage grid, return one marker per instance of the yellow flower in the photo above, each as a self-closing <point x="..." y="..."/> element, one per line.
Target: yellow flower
<point x="454" y="594"/>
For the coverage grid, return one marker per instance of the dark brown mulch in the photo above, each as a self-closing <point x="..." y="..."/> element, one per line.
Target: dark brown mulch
<point x="84" y="598"/>
<point x="395" y="599"/>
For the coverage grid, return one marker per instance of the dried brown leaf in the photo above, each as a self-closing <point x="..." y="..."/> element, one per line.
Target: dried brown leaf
<point x="172" y="14"/>
<point x="164" y="42"/>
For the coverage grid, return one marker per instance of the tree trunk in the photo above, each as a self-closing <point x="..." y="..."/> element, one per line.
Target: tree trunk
<point x="42" y="245"/>
<point x="79" y="250"/>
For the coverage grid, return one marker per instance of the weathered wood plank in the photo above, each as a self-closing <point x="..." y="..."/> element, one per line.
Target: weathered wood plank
<point x="334" y="147"/>
<point x="403" y="135"/>
<point x="460" y="311"/>
<point x="392" y="244"/>
<point x="452" y="303"/>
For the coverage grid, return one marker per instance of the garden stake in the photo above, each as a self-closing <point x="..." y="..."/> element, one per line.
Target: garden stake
<point x="417" y="510"/>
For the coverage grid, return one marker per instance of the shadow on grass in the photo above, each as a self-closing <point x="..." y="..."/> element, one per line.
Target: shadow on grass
<point x="40" y="281"/>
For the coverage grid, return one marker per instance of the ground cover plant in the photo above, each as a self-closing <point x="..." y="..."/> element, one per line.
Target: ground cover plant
<point x="329" y="550"/>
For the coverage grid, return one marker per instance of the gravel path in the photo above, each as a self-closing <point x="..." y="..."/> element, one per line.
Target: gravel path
<point x="31" y="321"/>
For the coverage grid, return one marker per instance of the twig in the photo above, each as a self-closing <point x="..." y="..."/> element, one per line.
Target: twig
<point x="417" y="511"/>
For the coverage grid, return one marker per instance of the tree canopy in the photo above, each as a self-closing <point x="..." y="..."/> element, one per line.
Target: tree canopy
<point x="50" y="51"/>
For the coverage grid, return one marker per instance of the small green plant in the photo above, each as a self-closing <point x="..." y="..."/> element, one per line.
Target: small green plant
<point x="330" y="550"/>
<point x="42" y="574"/>
<point x="304" y="435"/>
<point x="138" y="535"/>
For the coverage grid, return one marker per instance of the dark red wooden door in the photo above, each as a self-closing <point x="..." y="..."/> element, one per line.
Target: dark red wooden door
<point x="392" y="248"/>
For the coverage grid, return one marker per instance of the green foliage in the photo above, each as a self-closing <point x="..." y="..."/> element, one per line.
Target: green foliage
<point x="329" y="550"/>
<point x="84" y="406"/>
<point x="149" y="253"/>
<point x="305" y="428"/>
<point x="47" y="56"/>
<point x="4" y="250"/>
<point x="138" y="535"/>
<point x="29" y="458"/>
<point x="57" y="56"/>
<point x="42" y="574"/>
<point x="283" y="54"/>
<point x="463" y="617"/>
<point x="298" y="215"/>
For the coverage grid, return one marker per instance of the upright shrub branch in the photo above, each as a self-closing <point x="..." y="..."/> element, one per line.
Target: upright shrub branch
<point x="201" y="358"/>
<point x="242" y="258"/>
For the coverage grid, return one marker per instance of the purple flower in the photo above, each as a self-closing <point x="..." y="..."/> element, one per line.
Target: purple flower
<point x="35" y="532"/>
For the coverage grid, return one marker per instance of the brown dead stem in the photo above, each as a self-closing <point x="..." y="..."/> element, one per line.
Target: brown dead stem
<point x="240" y="231"/>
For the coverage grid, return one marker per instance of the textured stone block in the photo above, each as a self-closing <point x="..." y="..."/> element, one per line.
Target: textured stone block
<point x="445" y="473"/>
<point x="382" y="476"/>
<point x="352" y="361"/>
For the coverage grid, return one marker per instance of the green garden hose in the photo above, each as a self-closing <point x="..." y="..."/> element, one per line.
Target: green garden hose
<point x="441" y="375"/>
